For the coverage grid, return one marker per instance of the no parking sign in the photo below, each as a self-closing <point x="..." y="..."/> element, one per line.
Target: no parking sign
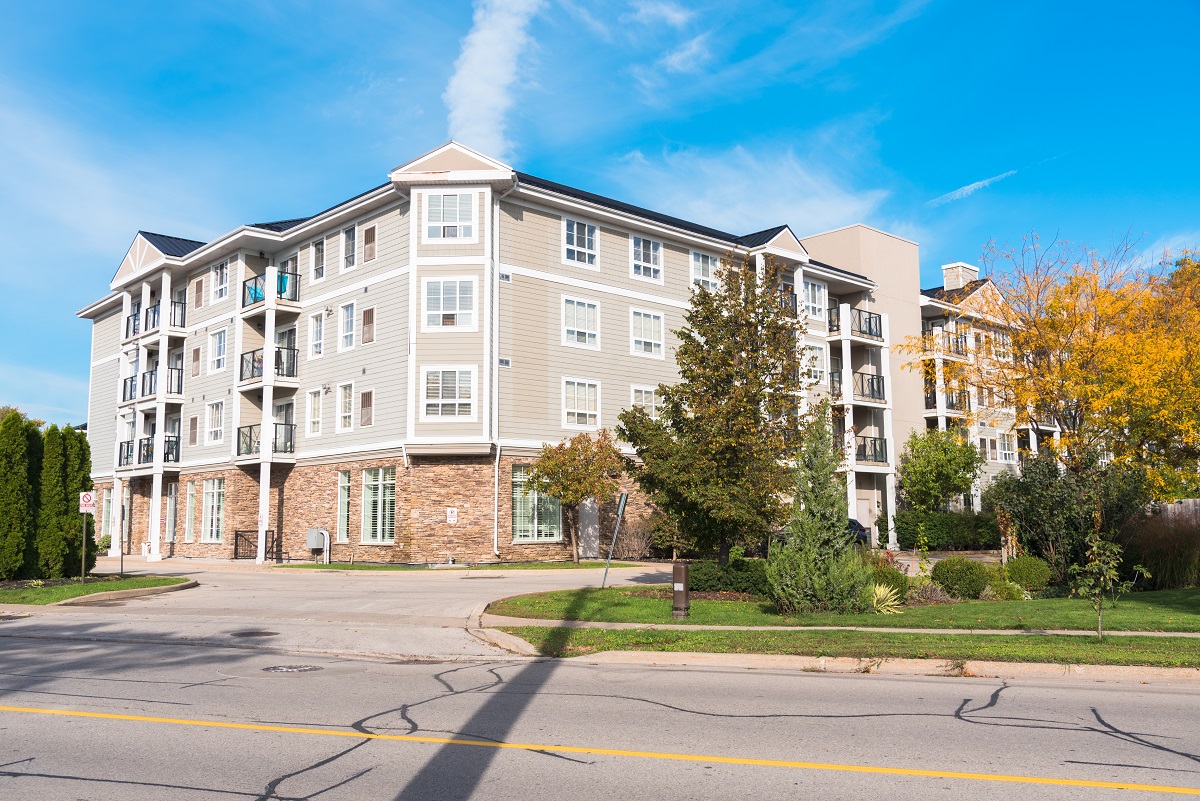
<point x="87" y="503"/>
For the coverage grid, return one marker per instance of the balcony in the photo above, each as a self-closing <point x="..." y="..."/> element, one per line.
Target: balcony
<point x="788" y="301"/>
<point x="930" y="399"/>
<point x="252" y="365"/>
<point x="835" y="383"/>
<point x="869" y="387"/>
<point x="174" y="380"/>
<point x="171" y="449"/>
<point x="133" y="324"/>
<point x="149" y="383"/>
<point x="254" y="290"/>
<point x="834" y="318"/>
<point x="945" y="342"/>
<point x="957" y="402"/>
<point x="285" y="438"/>
<point x="178" y="314"/>
<point x="288" y="286"/>
<point x="129" y="389"/>
<point x="287" y="362"/>
<point x="248" y="440"/>
<point x="125" y="453"/>
<point x="152" y="317"/>
<point x="870" y="449"/>
<point x="146" y="450"/>
<point x="866" y="324"/>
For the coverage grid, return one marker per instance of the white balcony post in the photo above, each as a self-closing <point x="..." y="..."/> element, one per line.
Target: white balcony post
<point x="939" y="388"/>
<point x="114" y="517"/>
<point x="266" y="432"/>
<point x="889" y="483"/>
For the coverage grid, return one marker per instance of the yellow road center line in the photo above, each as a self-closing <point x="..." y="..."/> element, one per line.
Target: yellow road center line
<point x="570" y="749"/>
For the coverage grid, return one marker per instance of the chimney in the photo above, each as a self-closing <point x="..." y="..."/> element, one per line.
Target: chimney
<point x="958" y="274"/>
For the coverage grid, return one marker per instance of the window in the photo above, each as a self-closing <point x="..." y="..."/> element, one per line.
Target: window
<point x="704" y="271"/>
<point x="105" y="520"/>
<point x="449" y="217"/>
<point x="581" y="323"/>
<point x="815" y="299"/>
<point x="198" y="293"/>
<point x="379" y="505"/>
<point x="214" y="510"/>
<point x="220" y="281"/>
<point x="369" y="244"/>
<point x="317" y="258"/>
<point x="450" y="303"/>
<point x="316" y="335"/>
<point x="195" y="361"/>
<point x="1008" y="447"/>
<point x="314" y="413"/>
<point x="535" y="517"/>
<point x="366" y="408"/>
<point x="346" y="327"/>
<point x="581" y="403"/>
<point x="189" y="524"/>
<point x="214" y="427"/>
<point x="368" y="326"/>
<point x="647" y="398"/>
<point x="345" y="407"/>
<point x="988" y="449"/>
<point x="579" y="242"/>
<point x="448" y="392"/>
<point x="193" y="430"/>
<point x="216" y="351"/>
<point x="647" y="259"/>
<point x="343" y="518"/>
<point x="348" y="249"/>
<point x="646" y="331"/>
<point x="172" y="510"/>
<point x="816" y="366"/>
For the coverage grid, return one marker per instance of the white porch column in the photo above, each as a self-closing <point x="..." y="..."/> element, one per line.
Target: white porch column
<point x="889" y="484"/>
<point x="266" y="433"/>
<point x="114" y="517"/>
<point x="160" y="420"/>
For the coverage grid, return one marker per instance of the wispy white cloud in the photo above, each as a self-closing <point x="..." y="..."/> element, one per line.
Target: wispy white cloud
<point x="53" y="397"/>
<point x="480" y="92"/>
<point x="1169" y="246"/>
<point x="969" y="189"/>
<point x="689" y="56"/>
<point x="652" y="11"/>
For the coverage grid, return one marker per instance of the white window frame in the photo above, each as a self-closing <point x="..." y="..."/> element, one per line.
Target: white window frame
<point x="209" y="430"/>
<point x="568" y="341"/>
<point x="213" y="359"/>
<point x="172" y="511"/>
<point x="189" y="525"/>
<point x="383" y="536"/>
<point x="426" y="327"/>
<point x="818" y="368"/>
<point x="532" y="536"/>
<point x="339" y="412"/>
<point x="473" y="194"/>
<point x="212" y="527"/>
<point x="219" y="290"/>
<point x="1008" y="448"/>
<point x="811" y="310"/>
<point x="341" y="327"/>
<point x="349" y="260"/>
<point x="697" y="261"/>
<point x="342" y="534"/>
<point x="309" y="418"/>
<point x="592" y="254"/>
<point x="316" y="345"/>
<point x="313" y="278"/>
<point x="474" y="399"/>
<point x="575" y="426"/>
<point x="656" y="405"/>
<point x="661" y="343"/>
<point x="634" y="239"/>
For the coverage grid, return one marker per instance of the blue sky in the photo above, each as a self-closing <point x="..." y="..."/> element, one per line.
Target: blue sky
<point x="950" y="123"/>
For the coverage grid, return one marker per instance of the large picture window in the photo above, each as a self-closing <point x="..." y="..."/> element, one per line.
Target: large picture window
<point x="213" y="521"/>
<point x="535" y="517"/>
<point x="379" y="505"/>
<point x="343" y="519"/>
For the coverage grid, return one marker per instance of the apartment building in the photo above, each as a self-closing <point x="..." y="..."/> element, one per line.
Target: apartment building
<point x="387" y="369"/>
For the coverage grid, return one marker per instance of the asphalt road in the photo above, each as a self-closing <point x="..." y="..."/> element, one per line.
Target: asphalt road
<point x="377" y="730"/>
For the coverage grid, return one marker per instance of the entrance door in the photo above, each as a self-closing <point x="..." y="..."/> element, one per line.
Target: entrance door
<point x="589" y="529"/>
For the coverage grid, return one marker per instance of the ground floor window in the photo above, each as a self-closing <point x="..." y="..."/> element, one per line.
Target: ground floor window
<point x="106" y="510"/>
<point x="536" y="517"/>
<point x="172" y="506"/>
<point x="379" y="505"/>
<point x="212" y="525"/>
<point x="343" y="518"/>
<point x="189" y="523"/>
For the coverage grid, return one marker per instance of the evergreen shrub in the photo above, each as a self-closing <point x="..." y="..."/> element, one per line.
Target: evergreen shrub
<point x="884" y="576"/>
<point x="961" y="577"/>
<point x="740" y="575"/>
<point x="948" y="531"/>
<point x="1032" y="573"/>
<point x="1170" y="551"/>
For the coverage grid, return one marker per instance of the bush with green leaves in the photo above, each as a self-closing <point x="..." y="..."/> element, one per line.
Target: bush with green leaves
<point x="884" y="576"/>
<point x="1031" y="573"/>
<point x="740" y="575"/>
<point x="1000" y="587"/>
<point x="961" y="577"/>
<point x="1169" y="550"/>
<point x="948" y="531"/>
<point x="805" y="578"/>
<point x="105" y="542"/>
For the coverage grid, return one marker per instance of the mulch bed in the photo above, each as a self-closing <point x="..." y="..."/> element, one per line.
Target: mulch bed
<point x="665" y="593"/>
<point x="21" y="584"/>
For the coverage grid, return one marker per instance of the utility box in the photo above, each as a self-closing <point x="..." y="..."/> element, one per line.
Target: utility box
<point x="316" y="539"/>
<point x="680" y="602"/>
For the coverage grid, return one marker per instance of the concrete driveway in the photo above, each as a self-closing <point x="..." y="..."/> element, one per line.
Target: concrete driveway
<point x="419" y="614"/>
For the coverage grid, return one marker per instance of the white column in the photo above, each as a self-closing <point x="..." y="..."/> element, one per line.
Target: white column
<point x="266" y="434"/>
<point x="939" y="388"/>
<point x="889" y="483"/>
<point x="160" y="421"/>
<point x="114" y="517"/>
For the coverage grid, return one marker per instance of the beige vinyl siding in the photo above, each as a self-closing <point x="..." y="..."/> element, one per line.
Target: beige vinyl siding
<point x="104" y="392"/>
<point x="106" y="334"/>
<point x="482" y="213"/>
<point x="391" y="251"/>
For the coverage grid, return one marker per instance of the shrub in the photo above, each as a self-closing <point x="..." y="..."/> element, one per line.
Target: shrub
<point x="883" y="576"/>
<point x="105" y="542"/>
<point x="885" y="600"/>
<point x="960" y="577"/>
<point x="923" y="592"/>
<point x="1031" y="573"/>
<point x="948" y="531"/>
<point x="1170" y="552"/>
<point x="999" y="587"/>
<point x="805" y="580"/>
<point x="740" y="575"/>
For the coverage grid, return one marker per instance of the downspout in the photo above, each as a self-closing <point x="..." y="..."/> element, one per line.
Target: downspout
<point x="496" y="504"/>
<point x="495" y="373"/>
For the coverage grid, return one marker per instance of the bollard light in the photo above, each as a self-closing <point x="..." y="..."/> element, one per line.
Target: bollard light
<point x="679" y="590"/>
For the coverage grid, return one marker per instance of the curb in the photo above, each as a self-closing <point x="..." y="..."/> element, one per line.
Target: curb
<point x="500" y="639"/>
<point x="115" y="595"/>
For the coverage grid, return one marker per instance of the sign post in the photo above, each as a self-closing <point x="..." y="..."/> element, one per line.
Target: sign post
<point x="87" y="506"/>
<point x="616" y="530"/>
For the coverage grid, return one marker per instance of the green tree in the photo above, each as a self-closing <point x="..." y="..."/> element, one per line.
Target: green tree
<point x="574" y="471"/>
<point x="819" y="507"/>
<point x="34" y="446"/>
<point x="78" y="479"/>
<point x="935" y="467"/>
<point x="16" y="495"/>
<point x="52" y="519"/>
<point x="1099" y="575"/>
<point x="715" y="458"/>
<point x="5" y="411"/>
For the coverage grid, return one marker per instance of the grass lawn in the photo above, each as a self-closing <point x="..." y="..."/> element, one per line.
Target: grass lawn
<point x="1060" y="649"/>
<point x="74" y="589"/>
<point x="1166" y="610"/>
<point x="501" y="566"/>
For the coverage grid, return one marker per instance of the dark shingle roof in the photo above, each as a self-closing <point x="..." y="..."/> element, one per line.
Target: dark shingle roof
<point x="833" y="269"/>
<point x="171" y="245"/>
<point x="954" y="295"/>
<point x="280" y="225"/>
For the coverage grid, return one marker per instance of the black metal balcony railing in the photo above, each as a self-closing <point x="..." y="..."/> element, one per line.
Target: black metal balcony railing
<point x="957" y="401"/>
<point x="129" y="388"/>
<point x="178" y="314"/>
<point x="870" y="449"/>
<point x="869" y="387"/>
<point x="125" y="453"/>
<point x="152" y="317"/>
<point x="133" y="325"/>
<point x="145" y="450"/>
<point x="174" y="380"/>
<point x="287" y="361"/>
<point x="149" y="383"/>
<point x="254" y="290"/>
<point x="835" y="383"/>
<point x="288" y="286"/>
<point x="285" y="438"/>
<point x="866" y="324"/>
<point x="171" y="449"/>
<point x="252" y="365"/>
<point x="248" y="440"/>
<point x="788" y="301"/>
<point x="834" y="317"/>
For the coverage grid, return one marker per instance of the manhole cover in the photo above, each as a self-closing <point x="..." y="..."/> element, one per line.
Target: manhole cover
<point x="254" y="633"/>
<point x="291" y="669"/>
